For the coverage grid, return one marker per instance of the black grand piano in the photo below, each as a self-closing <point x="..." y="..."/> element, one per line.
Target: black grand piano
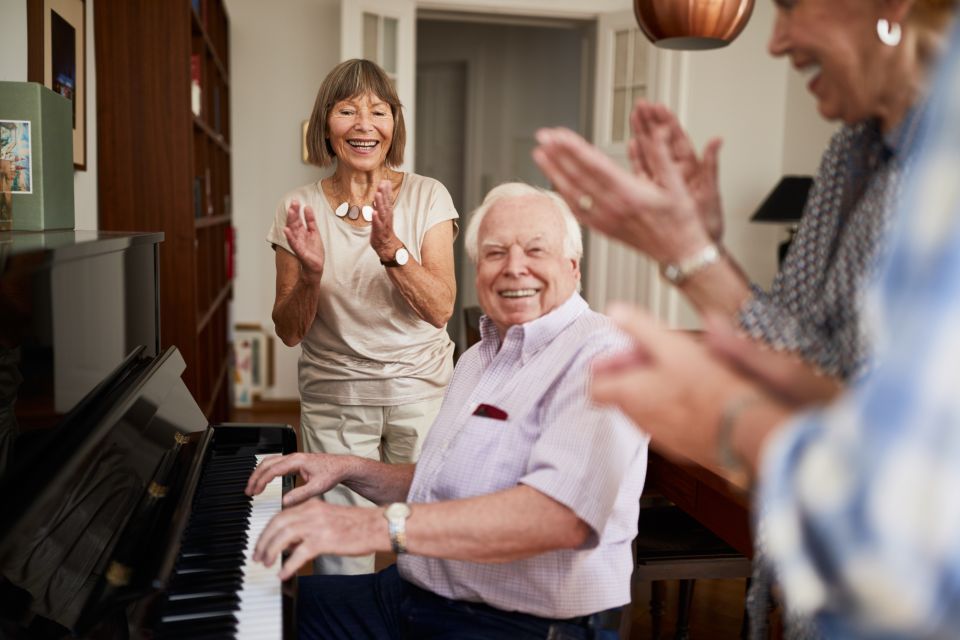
<point x="122" y="511"/>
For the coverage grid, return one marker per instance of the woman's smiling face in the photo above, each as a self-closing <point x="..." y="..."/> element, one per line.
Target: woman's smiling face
<point x="360" y="131"/>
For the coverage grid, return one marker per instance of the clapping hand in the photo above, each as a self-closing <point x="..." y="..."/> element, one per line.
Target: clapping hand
<point x="699" y="173"/>
<point x="304" y="239"/>
<point x="382" y="237"/>
<point x="782" y="374"/>
<point x="669" y="384"/>
<point x="654" y="212"/>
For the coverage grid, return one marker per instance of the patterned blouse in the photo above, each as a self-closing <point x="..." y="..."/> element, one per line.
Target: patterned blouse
<point x="813" y="306"/>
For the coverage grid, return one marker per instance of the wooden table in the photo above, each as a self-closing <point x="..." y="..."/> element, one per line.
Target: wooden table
<point x="710" y="499"/>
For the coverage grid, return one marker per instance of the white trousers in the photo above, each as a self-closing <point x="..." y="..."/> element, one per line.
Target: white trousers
<point x="389" y="434"/>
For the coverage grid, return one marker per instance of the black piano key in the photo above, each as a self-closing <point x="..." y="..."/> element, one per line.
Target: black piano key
<point x="211" y="582"/>
<point x="213" y="604"/>
<point x="211" y="562"/>
<point x="221" y="626"/>
<point x="208" y="573"/>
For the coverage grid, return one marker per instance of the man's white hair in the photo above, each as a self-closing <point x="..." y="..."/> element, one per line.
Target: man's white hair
<point x="572" y="239"/>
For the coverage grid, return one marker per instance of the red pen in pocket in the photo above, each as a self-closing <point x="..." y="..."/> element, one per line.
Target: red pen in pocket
<point x="490" y="411"/>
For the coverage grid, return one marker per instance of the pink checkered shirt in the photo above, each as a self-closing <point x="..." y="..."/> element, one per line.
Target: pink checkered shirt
<point x="589" y="458"/>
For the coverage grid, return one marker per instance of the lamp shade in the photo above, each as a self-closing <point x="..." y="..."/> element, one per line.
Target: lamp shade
<point x="785" y="203"/>
<point x="692" y="24"/>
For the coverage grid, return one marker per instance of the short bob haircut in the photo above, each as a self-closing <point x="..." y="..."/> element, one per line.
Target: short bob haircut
<point x="348" y="80"/>
<point x="572" y="239"/>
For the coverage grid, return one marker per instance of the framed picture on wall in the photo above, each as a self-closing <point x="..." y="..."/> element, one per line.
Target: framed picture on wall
<point x="56" y="58"/>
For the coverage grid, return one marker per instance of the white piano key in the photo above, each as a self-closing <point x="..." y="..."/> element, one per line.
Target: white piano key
<point x="261" y="602"/>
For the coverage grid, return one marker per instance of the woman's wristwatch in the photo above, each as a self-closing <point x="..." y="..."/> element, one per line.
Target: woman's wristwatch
<point x="400" y="257"/>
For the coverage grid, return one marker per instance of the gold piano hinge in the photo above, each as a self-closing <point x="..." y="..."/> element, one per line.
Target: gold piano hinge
<point x="118" y="575"/>
<point x="156" y="490"/>
<point x="180" y="438"/>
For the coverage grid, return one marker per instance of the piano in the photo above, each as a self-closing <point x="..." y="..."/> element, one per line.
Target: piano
<point x="122" y="511"/>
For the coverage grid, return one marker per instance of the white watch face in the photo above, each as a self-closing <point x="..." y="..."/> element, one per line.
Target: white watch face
<point x="397" y="510"/>
<point x="401" y="256"/>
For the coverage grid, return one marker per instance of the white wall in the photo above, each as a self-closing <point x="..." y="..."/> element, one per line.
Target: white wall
<point x="553" y="8"/>
<point x="13" y="66"/>
<point x="278" y="58"/>
<point x="13" y="44"/>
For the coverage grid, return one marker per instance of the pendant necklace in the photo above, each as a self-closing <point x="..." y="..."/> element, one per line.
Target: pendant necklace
<point x="352" y="211"/>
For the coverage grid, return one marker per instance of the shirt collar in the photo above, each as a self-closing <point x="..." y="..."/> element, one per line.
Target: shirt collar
<point x="536" y="334"/>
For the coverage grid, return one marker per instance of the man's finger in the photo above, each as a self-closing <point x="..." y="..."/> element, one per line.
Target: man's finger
<point x="299" y="495"/>
<point x="300" y="556"/>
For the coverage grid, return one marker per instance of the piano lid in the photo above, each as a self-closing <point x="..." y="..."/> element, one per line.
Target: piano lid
<point x="68" y="504"/>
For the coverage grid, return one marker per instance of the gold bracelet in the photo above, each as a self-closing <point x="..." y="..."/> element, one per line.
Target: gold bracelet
<point x="732" y="462"/>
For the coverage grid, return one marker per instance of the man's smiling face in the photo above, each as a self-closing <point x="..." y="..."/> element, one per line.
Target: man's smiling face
<point x="522" y="272"/>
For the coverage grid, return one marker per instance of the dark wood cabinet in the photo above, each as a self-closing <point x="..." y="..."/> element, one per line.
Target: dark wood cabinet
<point x="163" y="145"/>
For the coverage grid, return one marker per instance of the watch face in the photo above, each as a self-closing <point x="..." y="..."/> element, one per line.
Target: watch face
<point x="401" y="256"/>
<point x="397" y="510"/>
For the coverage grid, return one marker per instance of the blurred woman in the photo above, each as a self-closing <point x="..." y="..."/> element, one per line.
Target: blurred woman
<point x="868" y="62"/>
<point x="365" y="283"/>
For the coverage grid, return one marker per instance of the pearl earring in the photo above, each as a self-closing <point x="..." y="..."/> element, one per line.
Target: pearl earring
<point x="888" y="32"/>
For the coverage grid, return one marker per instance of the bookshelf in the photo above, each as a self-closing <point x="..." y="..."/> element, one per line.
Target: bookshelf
<point x="163" y="109"/>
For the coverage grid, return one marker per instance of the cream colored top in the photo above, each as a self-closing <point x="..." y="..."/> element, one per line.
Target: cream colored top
<point x="366" y="344"/>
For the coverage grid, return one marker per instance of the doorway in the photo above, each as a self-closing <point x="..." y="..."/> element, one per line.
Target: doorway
<point x="485" y="84"/>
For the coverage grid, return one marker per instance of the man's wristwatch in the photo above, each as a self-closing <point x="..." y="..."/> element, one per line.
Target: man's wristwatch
<point x="396" y="515"/>
<point x="400" y="258"/>
<point x="675" y="274"/>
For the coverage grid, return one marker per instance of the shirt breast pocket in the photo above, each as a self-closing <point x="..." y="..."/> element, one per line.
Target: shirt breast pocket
<point x="486" y="455"/>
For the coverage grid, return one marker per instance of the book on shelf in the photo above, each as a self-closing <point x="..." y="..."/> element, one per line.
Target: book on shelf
<point x="197" y="198"/>
<point x="196" y="93"/>
<point x="229" y="243"/>
<point x="209" y="193"/>
<point x="216" y="108"/>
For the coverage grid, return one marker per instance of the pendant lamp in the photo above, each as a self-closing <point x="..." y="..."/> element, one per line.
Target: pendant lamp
<point x="692" y="24"/>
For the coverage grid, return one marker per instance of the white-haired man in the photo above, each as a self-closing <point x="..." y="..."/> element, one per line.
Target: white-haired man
<point x="518" y="518"/>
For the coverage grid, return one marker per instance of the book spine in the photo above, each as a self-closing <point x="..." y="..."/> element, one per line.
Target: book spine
<point x="196" y="92"/>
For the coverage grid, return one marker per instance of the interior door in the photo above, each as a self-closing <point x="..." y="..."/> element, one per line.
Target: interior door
<point x="628" y="67"/>
<point x="385" y="31"/>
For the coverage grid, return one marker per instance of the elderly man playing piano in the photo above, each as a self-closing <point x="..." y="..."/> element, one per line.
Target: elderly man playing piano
<point x="517" y="520"/>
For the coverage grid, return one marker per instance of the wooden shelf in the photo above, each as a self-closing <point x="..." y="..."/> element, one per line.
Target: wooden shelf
<point x="211" y="221"/>
<point x="183" y="186"/>
<point x="218" y="386"/>
<point x="219" y="300"/>
<point x="211" y="47"/>
<point x="215" y="137"/>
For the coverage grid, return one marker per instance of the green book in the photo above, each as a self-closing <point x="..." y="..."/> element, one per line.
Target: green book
<point x="36" y="157"/>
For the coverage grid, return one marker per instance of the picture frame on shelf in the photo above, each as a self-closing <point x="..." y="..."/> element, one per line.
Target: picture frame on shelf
<point x="56" y="58"/>
<point x="253" y="350"/>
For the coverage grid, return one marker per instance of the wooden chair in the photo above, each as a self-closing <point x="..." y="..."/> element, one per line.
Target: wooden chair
<point x="671" y="545"/>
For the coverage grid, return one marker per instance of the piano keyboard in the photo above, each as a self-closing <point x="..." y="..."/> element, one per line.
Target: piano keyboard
<point x="216" y="590"/>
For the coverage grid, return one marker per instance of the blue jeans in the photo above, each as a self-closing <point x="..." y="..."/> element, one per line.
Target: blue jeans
<point x="384" y="605"/>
